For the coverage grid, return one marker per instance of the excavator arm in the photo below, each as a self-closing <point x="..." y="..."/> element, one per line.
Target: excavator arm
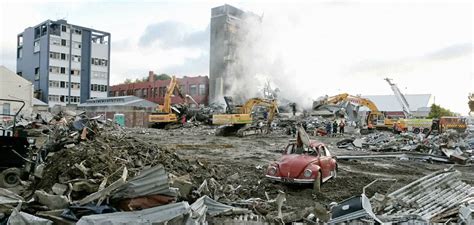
<point x="169" y="92"/>
<point x="164" y="114"/>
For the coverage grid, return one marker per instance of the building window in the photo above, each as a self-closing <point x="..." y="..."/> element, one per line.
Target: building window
<point x="63" y="42"/>
<point x="202" y="89"/>
<point x="76" y="44"/>
<point x="193" y="90"/>
<point x="63" y="70"/>
<point x="20" y="40"/>
<point x="63" y="28"/>
<point x="161" y="91"/>
<point x="36" y="46"/>
<point x="63" y="56"/>
<point x="99" y="62"/>
<point x="37" y="73"/>
<point x="155" y="92"/>
<point x="145" y="92"/>
<point x="77" y="31"/>
<point x="54" y="83"/>
<point x="55" y="41"/>
<point x="75" y="72"/>
<point x="76" y="58"/>
<point x="19" y="53"/>
<point x="55" y="55"/>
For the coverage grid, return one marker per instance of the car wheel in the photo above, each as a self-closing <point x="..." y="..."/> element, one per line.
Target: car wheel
<point x="317" y="183"/>
<point x="416" y="130"/>
<point x="10" y="177"/>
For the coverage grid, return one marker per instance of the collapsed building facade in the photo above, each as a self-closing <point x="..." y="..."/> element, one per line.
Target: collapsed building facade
<point x="229" y="25"/>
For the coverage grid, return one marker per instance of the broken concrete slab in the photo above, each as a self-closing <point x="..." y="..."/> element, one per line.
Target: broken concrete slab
<point x="22" y="218"/>
<point x="358" y="142"/>
<point x="184" y="185"/>
<point x="59" y="189"/>
<point x="106" y="191"/>
<point x="51" y="201"/>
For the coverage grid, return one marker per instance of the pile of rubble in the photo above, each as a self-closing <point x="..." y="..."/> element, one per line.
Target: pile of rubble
<point x="454" y="146"/>
<point x="440" y="197"/>
<point x="90" y="171"/>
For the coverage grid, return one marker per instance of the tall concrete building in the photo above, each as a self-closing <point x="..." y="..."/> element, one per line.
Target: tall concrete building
<point x="66" y="63"/>
<point x="227" y="31"/>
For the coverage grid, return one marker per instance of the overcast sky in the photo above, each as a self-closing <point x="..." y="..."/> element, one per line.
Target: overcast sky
<point x="319" y="48"/>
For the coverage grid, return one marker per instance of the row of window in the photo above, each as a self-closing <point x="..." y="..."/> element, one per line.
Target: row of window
<point x="64" y="28"/>
<point x="64" y="42"/>
<point x="62" y="70"/>
<point x="99" y="87"/>
<point x="64" y="56"/>
<point x="99" y="62"/>
<point x="64" y="98"/>
<point x="64" y="84"/>
<point x="99" y="75"/>
<point x="194" y="90"/>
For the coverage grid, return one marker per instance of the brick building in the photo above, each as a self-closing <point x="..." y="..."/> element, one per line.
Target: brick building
<point x="154" y="90"/>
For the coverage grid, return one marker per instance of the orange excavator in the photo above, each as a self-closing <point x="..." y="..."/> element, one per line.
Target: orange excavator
<point x="164" y="116"/>
<point x="375" y="119"/>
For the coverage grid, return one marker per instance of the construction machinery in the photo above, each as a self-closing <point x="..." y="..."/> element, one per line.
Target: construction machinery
<point x="238" y="119"/>
<point x="400" y="97"/>
<point x="425" y="126"/>
<point x="164" y="115"/>
<point x="374" y="120"/>
<point x="13" y="144"/>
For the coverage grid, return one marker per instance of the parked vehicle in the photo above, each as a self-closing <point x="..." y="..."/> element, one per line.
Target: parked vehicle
<point x="304" y="162"/>
<point x="427" y="125"/>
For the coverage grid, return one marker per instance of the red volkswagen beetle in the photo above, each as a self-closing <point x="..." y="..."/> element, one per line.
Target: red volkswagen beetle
<point x="311" y="164"/>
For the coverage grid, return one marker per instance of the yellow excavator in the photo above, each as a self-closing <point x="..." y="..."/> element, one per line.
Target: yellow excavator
<point x="238" y="119"/>
<point x="375" y="119"/>
<point x="164" y="116"/>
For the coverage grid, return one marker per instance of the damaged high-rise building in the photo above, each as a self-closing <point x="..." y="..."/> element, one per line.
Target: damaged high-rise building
<point x="229" y="26"/>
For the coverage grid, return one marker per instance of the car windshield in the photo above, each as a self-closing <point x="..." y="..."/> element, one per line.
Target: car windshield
<point x="295" y="149"/>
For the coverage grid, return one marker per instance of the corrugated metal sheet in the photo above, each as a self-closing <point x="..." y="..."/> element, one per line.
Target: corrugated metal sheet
<point x="118" y="101"/>
<point x="430" y="195"/>
<point x="150" y="181"/>
<point x="215" y="208"/>
<point x="155" y="215"/>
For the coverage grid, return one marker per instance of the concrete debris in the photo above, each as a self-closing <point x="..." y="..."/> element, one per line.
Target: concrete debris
<point x="183" y="184"/>
<point x="51" y="201"/>
<point x="8" y="197"/>
<point x="451" y="144"/>
<point x="176" y="213"/>
<point x="90" y="171"/>
<point x="22" y="218"/>
<point x="428" y="197"/>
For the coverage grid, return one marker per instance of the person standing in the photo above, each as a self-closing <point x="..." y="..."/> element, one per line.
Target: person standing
<point x="334" y="127"/>
<point x="328" y="129"/>
<point x="341" y="126"/>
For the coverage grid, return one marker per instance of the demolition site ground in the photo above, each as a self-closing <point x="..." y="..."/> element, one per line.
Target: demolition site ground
<point x="241" y="163"/>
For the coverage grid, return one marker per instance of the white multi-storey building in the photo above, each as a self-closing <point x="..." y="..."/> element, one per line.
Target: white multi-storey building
<point x="68" y="64"/>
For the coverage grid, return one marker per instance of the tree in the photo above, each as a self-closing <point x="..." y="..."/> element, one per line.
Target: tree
<point x="437" y="111"/>
<point x="162" y="76"/>
<point x="127" y="81"/>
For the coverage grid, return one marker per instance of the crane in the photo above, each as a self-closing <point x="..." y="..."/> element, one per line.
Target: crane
<point x="400" y="97"/>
